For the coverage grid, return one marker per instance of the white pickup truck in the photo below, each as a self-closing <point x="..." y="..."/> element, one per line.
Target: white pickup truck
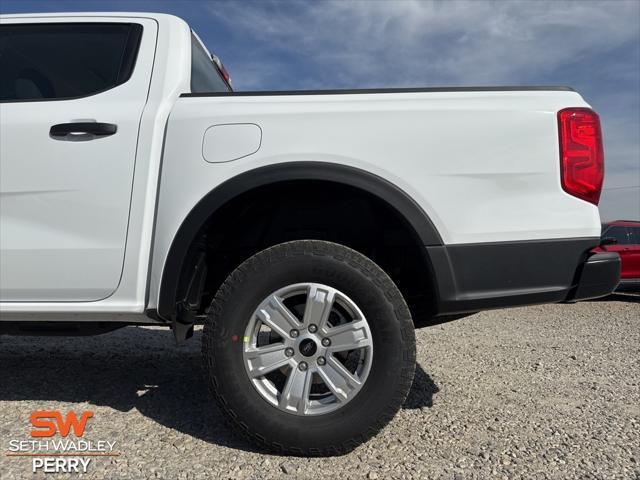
<point x="310" y="231"/>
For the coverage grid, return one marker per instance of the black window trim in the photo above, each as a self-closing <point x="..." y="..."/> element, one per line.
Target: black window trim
<point x="132" y="49"/>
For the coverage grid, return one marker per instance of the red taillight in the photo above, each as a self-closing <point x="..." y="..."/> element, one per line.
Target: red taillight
<point x="225" y="74"/>
<point x="581" y="153"/>
<point x="222" y="70"/>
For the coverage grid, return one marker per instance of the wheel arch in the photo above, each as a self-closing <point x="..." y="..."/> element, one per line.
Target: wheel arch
<point x="412" y="214"/>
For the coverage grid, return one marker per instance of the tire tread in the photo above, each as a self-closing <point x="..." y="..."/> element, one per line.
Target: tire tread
<point x="355" y="260"/>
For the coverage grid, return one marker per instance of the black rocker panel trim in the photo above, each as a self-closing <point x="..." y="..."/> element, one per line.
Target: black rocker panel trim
<point x="483" y="276"/>
<point x="412" y="213"/>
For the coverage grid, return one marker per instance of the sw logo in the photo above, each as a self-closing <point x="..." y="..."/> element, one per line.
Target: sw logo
<point x="57" y="444"/>
<point x="48" y="423"/>
<point x="53" y="456"/>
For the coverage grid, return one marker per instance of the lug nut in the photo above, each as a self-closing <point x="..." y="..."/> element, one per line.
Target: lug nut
<point x="321" y="361"/>
<point x="288" y="352"/>
<point x="326" y="342"/>
<point x="294" y="333"/>
<point x="313" y="328"/>
<point x="303" y="366"/>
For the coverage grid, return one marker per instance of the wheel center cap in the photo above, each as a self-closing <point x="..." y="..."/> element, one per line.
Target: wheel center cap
<point x="308" y="347"/>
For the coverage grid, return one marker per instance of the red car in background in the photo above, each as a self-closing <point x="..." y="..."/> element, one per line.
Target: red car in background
<point x="627" y="244"/>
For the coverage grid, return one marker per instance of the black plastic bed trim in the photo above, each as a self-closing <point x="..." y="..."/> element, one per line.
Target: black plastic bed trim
<point x="484" y="276"/>
<point x="268" y="93"/>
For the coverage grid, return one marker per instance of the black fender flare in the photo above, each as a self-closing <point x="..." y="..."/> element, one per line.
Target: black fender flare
<point x="375" y="185"/>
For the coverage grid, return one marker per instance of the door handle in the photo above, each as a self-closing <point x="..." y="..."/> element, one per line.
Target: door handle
<point x="82" y="131"/>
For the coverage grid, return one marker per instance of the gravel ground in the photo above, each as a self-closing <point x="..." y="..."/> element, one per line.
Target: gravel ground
<point x="539" y="392"/>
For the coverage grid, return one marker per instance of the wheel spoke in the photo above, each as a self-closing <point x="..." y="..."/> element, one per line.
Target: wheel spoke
<point x="283" y="371"/>
<point x="349" y="336"/>
<point x="295" y="394"/>
<point x="264" y="360"/>
<point x="338" y="379"/>
<point x="278" y="317"/>
<point x="319" y="303"/>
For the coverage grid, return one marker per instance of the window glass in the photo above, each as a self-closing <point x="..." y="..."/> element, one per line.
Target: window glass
<point x="634" y="235"/>
<point x="205" y="77"/>
<point x="65" y="60"/>
<point x="619" y="233"/>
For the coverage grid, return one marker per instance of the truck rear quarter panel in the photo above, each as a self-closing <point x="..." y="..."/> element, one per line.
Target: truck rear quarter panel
<point x="483" y="165"/>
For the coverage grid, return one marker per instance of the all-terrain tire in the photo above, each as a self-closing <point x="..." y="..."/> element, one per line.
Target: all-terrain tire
<point x="391" y="370"/>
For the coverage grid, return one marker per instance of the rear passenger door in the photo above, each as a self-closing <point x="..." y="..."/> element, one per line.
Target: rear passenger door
<point x="632" y="254"/>
<point x="72" y="95"/>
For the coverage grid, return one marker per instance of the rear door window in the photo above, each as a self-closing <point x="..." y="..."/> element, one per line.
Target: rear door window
<point x="619" y="233"/>
<point x="205" y="77"/>
<point x="634" y="235"/>
<point x="43" y="61"/>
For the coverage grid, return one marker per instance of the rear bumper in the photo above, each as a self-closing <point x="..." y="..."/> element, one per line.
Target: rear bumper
<point x="628" y="285"/>
<point x="475" y="277"/>
<point x="599" y="276"/>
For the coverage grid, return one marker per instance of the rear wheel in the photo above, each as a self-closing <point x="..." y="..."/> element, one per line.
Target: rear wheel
<point x="309" y="348"/>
